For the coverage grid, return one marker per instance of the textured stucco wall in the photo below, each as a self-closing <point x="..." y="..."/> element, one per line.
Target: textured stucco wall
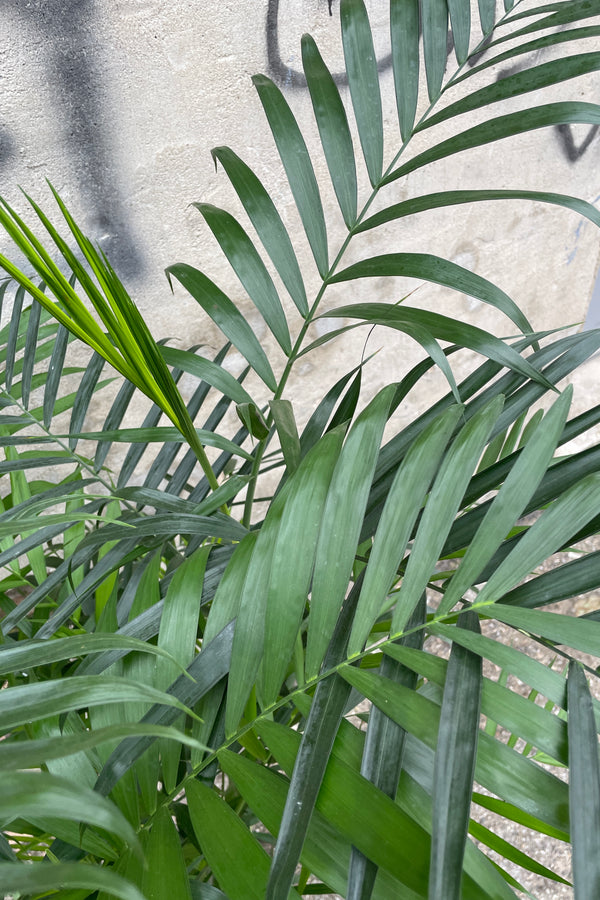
<point x="118" y="103"/>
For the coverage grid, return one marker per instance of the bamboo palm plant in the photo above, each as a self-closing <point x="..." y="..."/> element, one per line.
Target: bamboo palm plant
<point x="180" y="667"/>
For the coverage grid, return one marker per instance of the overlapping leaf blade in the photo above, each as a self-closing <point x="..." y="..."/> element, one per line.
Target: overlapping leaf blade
<point x="508" y="125"/>
<point x="434" y="19"/>
<point x="250" y="269"/>
<point x="414" y="321"/>
<point x="399" y="515"/>
<point x="511" y="500"/>
<point x="341" y="524"/>
<point x="455" y="767"/>
<point x="363" y="80"/>
<point x="267" y="222"/>
<point x="443" y="503"/>
<point x="404" y="31"/>
<point x="293" y="560"/>
<point x="228" y="318"/>
<point x="584" y="786"/>
<point x="333" y="128"/>
<point x="236" y="857"/>
<point x="66" y="875"/>
<point x="298" y="167"/>
<point x="383" y="754"/>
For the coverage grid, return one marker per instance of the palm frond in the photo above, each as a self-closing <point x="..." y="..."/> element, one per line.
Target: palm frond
<point x="263" y="631"/>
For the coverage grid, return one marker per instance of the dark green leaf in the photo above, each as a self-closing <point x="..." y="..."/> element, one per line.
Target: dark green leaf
<point x="36" y="878"/>
<point x="24" y="703"/>
<point x="35" y="753"/>
<point x="434" y="19"/>
<point x="165" y="875"/>
<point x="41" y="794"/>
<point x="509" y="852"/>
<point x="455" y="767"/>
<point x="383" y="753"/>
<point x="267" y="222"/>
<point x="548" y="40"/>
<point x="83" y="397"/>
<point x="55" y="369"/>
<point x="233" y="853"/>
<point x="460" y="21"/>
<point x="210" y="371"/>
<point x="161" y="434"/>
<point x="208" y="668"/>
<point x="30" y="351"/>
<point x="405" y="318"/>
<point x="331" y="695"/>
<point x="316" y="425"/>
<point x="293" y="560"/>
<point x="249" y="268"/>
<point x="579" y="634"/>
<point x="439" y="271"/>
<point x="363" y="80"/>
<point x="287" y="431"/>
<point x="217" y="525"/>
<point x="362" y="814"/>
<point x="404" y="29"/>
<point x="341" y="524"/>
<point x="399" y="515"/>
<point x="584" y="785"/>
<point x="298" y="167"/>
<point x="13" y="336"/>
<point x="113" y="420"/>
<point x="333" y="128"/>
<point x="554" y="528"/>
<point x="454" y="198"/>
<point x="502" y="127"/>
<point x="531" y="79"/>
<point x="499" y="768"/>
<point x="226" y="316"/>
<point x="575" y="577"/>
<point x="510" y="501"/>
<point x="442" y="505"/>
<point x="560" y="14"/>
<point x="487" y="15"/>
<point x="254" y="421"/>
<point x="27" y="654"/>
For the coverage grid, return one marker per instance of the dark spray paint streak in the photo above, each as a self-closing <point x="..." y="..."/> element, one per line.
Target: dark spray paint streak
<point x="572" y="151"/>
<point x="284" y="74"/>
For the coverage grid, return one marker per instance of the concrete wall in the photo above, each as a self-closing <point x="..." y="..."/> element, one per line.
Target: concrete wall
<point x="118" y="103"/>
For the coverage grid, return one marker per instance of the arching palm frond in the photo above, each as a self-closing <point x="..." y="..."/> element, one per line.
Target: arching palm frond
<point x="265" y="624"/>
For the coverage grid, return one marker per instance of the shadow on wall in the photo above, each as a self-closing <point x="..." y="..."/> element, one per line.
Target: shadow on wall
<point x="70" y="47"/>
<point x="7" y="148"/>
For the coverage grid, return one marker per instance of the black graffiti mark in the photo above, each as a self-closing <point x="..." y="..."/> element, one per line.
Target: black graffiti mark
<point x="69" y="42"/>
<point x="572" y="150"/>
<point x="283" y="73"/>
